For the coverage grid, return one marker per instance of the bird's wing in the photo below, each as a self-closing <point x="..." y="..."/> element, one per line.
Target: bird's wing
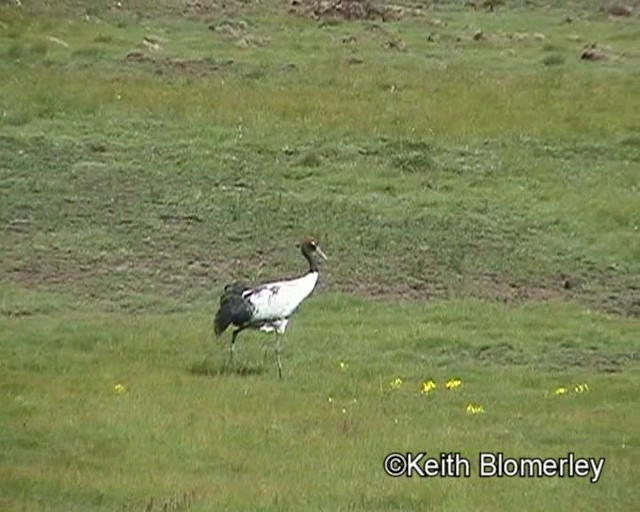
<point x="280" y="299"/>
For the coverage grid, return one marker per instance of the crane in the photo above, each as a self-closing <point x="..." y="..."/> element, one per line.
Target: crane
<point x="267" y="307"/>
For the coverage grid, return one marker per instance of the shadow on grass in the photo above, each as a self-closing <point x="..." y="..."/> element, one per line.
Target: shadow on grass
<point x="208" y="368"/>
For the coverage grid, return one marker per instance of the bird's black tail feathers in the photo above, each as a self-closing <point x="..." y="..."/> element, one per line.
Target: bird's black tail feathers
<point x="233" y="308"/>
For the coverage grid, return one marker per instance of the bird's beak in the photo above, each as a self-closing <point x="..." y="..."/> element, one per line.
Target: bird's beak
<point x="319" y="251"/>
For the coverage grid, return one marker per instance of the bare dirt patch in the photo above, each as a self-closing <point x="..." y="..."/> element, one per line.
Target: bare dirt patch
<point x="346" y="9"/>
<point x="564" y="357"/>
<point x="597" y="52"/>
<point x="496" y="287"/>
<point x="164" y="65"/>
<point x="240" y="31"/>
<point x="559" y="357"/>
<point x="156" y="269"/>
<point x="619" y="10"/>
<point x="605" y="291"/>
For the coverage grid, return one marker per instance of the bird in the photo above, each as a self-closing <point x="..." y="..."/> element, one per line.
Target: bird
<point x="267" y="307"/>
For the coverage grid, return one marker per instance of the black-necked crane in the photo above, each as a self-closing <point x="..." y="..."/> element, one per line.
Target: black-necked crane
<point x="269" y="306"/>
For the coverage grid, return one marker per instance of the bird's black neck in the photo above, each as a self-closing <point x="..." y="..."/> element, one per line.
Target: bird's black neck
<point x="313" y="264"/>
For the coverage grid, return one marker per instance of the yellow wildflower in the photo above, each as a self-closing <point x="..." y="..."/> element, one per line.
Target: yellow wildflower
<point x="453" y="383"/>
<point x="343" y="365"/>
<point x="427" y="386"/>
<point x="395" y="383"/>
<point x="561" y="390"/>
<point x="581" y="388"/>
<point x="119" y="388"/>
<point x="475" y="409"/>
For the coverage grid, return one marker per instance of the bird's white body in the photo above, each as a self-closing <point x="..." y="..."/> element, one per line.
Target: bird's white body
<point x="274" y="303"/>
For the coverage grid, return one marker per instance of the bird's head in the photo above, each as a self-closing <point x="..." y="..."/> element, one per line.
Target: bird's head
<point x="309" y="247"/>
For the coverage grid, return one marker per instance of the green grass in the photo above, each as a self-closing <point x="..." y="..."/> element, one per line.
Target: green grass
<point x="478" y="201"/>
<point x="251" y="442"/>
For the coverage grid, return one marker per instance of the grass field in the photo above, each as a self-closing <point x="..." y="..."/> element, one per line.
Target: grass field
<point x="475" y="184"/>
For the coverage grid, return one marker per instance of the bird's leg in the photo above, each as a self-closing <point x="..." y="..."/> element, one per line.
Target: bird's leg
<point x="265" y="353"/>
<point x="278" y="351"/>
<point x="232" y="349"/>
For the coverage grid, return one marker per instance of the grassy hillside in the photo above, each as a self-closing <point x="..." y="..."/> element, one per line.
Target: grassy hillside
<point x="473" y="180"/>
